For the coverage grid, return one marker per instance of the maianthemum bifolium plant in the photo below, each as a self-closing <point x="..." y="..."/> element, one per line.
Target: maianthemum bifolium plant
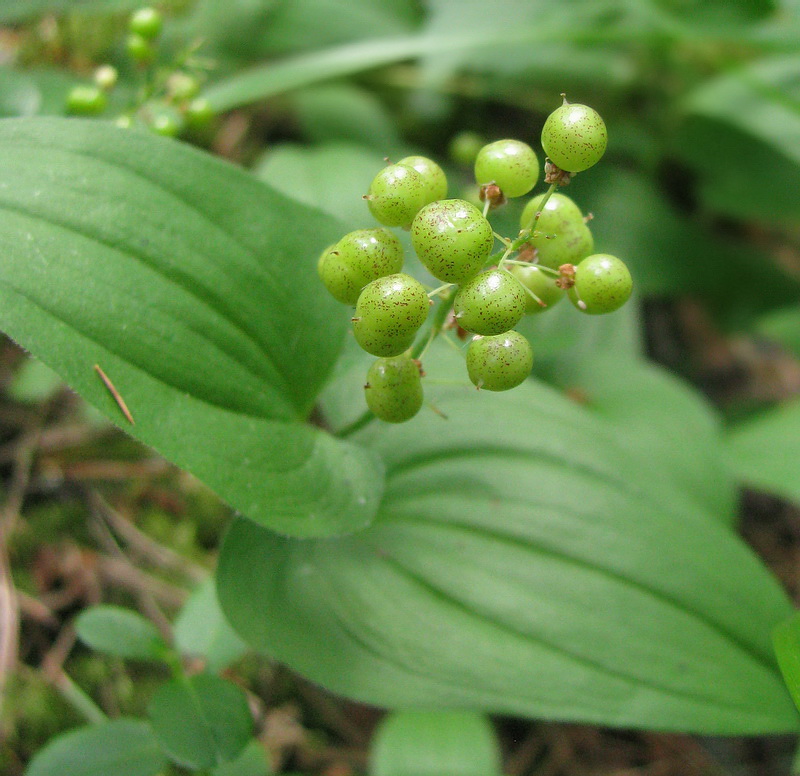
<point x="518" y="557"/>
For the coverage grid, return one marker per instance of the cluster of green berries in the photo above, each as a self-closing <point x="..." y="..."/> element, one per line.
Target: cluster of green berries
<point x="552" y="257"/>
<point x="169" y="103"/>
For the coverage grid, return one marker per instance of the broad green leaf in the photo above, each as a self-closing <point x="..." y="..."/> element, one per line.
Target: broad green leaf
<point x="332" y="177"/>
<point x="786" y="638"/>
<point x="119" y="631"/>
<point x="783" y="326"/>
<point x="33" y="92"/>
<point x="202" y="721"/>
<point x="20" y="10"/>
<point x="201" y="630"/>
<point x="657" y="419"/>
<point x="251" y="762"/>
<point x="752" y="114"/>
<point x="764" y="450"/>
<point x="119" y="747"/>
<point x="522" y="562"/>
<point x="346" y="113"/>
<point x="194" y="288"/>
<point x="432" y="743"/>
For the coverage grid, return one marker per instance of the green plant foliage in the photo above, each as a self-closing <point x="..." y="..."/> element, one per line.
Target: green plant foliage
<point x="251" y="762"/>
<point x="119" y="631"/>
<point x="109" y="749"/>
<point x="21" y="10"/>
<point x="764" y="450"/>
<point x="507" y="560"/>
<point x="202" y="631"/>
<point x="752" y="108"/>
<point x="345" y="113"/>
<point x="782" y="326"/>
<point x="179" y="293"/>
<point x="332" y="177"/>
<point x="786" y="638"/>
<point x="202" y="721"/>
<point x="432" y="743"/>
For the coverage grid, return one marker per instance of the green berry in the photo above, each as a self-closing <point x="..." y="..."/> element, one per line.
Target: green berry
<point x="433" y="176"/>
<point x="199" y="113"/>
<point x="393" y="389"/>
<point x="574" y="137"/>
<point x="452" y="239"/>
<point x="499" y="363"/>
<point x="602" y="284"/>
<point x="562" y="236"/>
<point x="491" y="303"/>
<point x="166" y="121"/>
<point x="139" y="49"/>
<point x="511" y="164"/>
<point x="357" y="259"/>
<point x="106" y="77"/>
<point x="464" y="148"/>
<point x="541" y="283"/>
<point x="146" y="22"/>
<point x="396" y="194"/>
<point x="86" y="100"/>
<point x="182" y="86"/>
<point x="389" y="312"/>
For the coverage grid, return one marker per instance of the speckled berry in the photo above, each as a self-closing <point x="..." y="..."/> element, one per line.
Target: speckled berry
<point x="602" y="284"/>
<point x="388" y="314"/>
<point x="393" y="389"/>
<point x="491" y="303"/>
<point x="499" y="363"/>
<point x="574" y="137"/>
<point x="511" y="164"/>
<point x="464" y="147"/>
<point x="396" y="194"/>
<point x="357" y="259"/>
<point x="562" y="237"/>
<point x="541" y="283"/>
<point x="452" y="239"/>
<point x="433" y="176"/>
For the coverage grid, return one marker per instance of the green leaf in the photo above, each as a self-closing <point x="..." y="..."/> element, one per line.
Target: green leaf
<point x="751" y="114"/>
<point x="20" y="10"/>
<point x="522" y="562"/>
<point x="119" y="747"/>
<point x="346" y="113"/>
<point x="783" y="326"/>
<point x="202" y="721"/>
<point x="251" y="762"/>
<point x="432" y="743"/>
<point x="119" y="631"/>
<point x="332" y="177"/>
<point x="657" y="418"/>
<point x="194" y="288"/>
<point x="764" y="450"/>
<point x="786" y="638"/>
<point x="202" y="631"/>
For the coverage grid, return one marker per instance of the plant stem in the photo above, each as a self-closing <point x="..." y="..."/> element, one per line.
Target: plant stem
<point x="362" y="420"/>
<point x="527" y="230"/>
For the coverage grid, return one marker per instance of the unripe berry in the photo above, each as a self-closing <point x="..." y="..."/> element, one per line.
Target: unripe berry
<point x="491" y="303"/>
<point x="357" y="259"/>
<point x="396" y="194"/>
<point x="432" y="175"/>
<point x="146" y="22"/>
<point x="511" y="164"/>
<point x="389" y="312"/>
<point x="452" y="239"/>
<point x="140" y="49"/>
<point x="86" y="100"/>
<point x="541" y="283"/>
<point x="393" y="389"/>
<point x="499" y="363"/>
<point x="562" y="236"/>
<point x="199" y="113"/>
<point x="602" y="284"/>
<point x="574" y="137"/>
<point x="464" y="148"/>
